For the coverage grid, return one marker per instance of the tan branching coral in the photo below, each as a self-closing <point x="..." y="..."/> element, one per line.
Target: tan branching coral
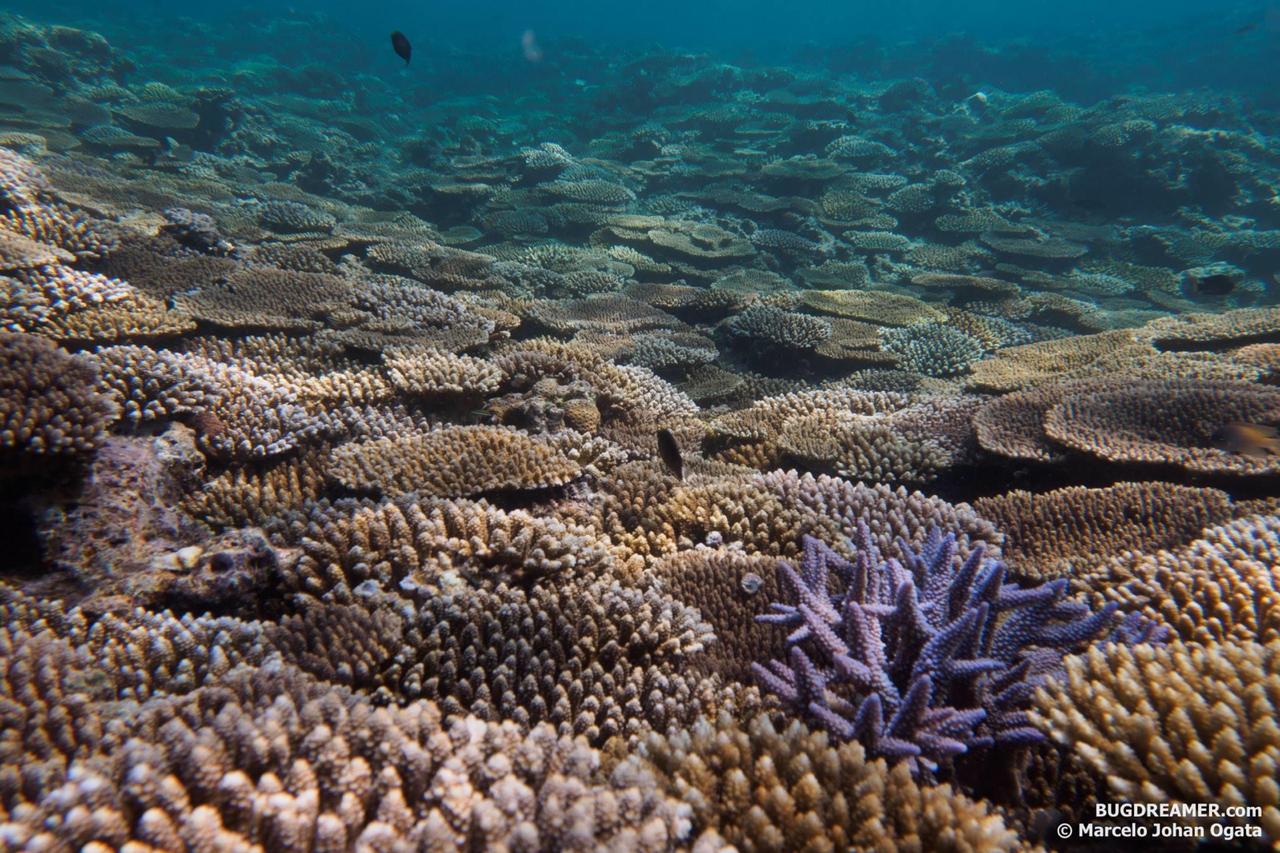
<point x="1050" y="534"/>
<point x="236" y="414"/>
<point x="396" y="312"/>
<point x="264" y="297"/>
<point x="890" y="513"/>
<point x="296" y="257"/>
<point x="991" y="332"/>
<point x="273" y="760"/>
<point x="864" y="435"/>
<point x="21" y="253"/>
<point x="767" y="326"/>
<point x="590" y="655"/>
<point x="455" y="461"/>
<point x="853" y="341"/>
<point x="764" y="418"/>
<point x="1172" y="422"/>
<point x="729" y="588"/>
<point x="592" y="191"/>
<point x="1013" y="425"/>
<point x="1266" y="357"/>
<point x="48" y="400"/>
<point x="761" y="789"/>
<point x="1187" y="723"/>
<point x="429" y="373"/>
<point x="1032" y="364"/>
<point x="860" y="448"/>
<point x="248" y="497"/>
<point x="979" y="286"/>
<point x="648" y="512"/>
<point x="30" y="207"/>
<point x="1047" y="247"/>
<point x="696" y="242"/>
<point x="75" y="305"/>
<point x="415" y="540"/>
<point x="633" y="403"/>
<point x="1222" y="587"/>
<point x="1208" y="331"/>
<point x="352" y="387"/>
<point x="131" y="656"/>
<point x="690" y="302"/>
<point x="602" y="313"/>
<point x="158" y="266"/>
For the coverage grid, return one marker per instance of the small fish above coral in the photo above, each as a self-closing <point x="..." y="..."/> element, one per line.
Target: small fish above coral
<point x="669" y="451"/>
<point x="1255" y="440"/>
<point x="400" y="44"/>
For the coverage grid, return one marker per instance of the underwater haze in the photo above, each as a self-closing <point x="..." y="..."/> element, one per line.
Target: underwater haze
<point x="703" y="426"/>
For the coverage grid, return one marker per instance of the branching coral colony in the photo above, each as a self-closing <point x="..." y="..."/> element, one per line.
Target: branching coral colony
<point x="921" y="659"/>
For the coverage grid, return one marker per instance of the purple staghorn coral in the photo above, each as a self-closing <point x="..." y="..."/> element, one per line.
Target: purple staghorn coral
<point x="919" y="661"/>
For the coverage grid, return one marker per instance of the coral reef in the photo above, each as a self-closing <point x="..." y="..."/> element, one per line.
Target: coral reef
<point x="330" y="457"/>
<point x="268" y="758"/>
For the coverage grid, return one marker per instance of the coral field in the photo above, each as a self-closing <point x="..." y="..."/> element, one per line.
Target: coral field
<point x="338" y="517"/>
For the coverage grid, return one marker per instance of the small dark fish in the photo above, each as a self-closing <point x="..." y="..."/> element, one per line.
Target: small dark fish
<point x="1215" y="285"/>
<point x="1257" y="441"/>
<point x="669" y="450"/>
<point x="1246" y="28"/>
<point x="400" y="43"/>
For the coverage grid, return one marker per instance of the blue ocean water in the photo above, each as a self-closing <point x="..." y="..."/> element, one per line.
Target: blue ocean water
<point x="1176" y="44"/>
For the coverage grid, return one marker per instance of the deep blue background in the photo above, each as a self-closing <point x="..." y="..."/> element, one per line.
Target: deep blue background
<point x="1166" y="45"/>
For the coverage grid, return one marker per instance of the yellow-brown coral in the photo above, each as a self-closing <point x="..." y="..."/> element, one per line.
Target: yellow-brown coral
<point x="452" y="462"/>
<point x="761" y="789"/>
<point x="1189" y="723"/>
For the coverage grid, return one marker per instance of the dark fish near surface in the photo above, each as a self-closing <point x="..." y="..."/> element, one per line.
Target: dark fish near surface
<point x="669" y="450"/>
<point x="1257" y="441"/>
<point x="1215" y="285"/>
<point x="400" y="43"/>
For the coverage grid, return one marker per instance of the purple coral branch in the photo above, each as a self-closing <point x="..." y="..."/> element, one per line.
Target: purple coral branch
<point x="944" y="647"/>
